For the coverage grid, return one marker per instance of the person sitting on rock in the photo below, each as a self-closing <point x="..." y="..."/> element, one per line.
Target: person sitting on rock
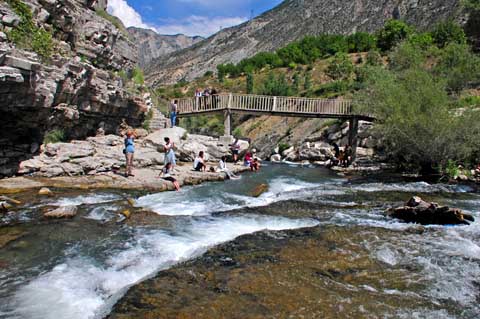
<point x="222" y="167"/>
<point x="129" y="150"/>
<point x="247" y="161"/>
<point x="255" y="166"/>
<point x="199" y="162"/>
<point x="166" y="175"/>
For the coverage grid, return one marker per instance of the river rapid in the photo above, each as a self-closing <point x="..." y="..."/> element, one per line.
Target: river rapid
<point x="83" y="267"/>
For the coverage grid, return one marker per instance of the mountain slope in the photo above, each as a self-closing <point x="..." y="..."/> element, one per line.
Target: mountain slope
<point x="290" y="21"/>
<point x="152" y="45"/>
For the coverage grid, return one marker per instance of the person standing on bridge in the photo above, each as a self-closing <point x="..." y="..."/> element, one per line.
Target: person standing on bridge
<point x="173" y="112"/>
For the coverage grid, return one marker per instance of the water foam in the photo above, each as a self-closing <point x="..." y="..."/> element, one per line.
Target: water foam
<point x="87" y="200"/>
<point x="83" y="288"/>
<point x="191" y="202"/>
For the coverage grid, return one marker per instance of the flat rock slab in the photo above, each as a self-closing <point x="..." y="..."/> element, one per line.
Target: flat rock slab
<point x="144" y="179"/>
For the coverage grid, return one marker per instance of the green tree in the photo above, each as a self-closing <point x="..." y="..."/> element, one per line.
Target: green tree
<point x="307" y="82"/>
<point x="341" y="67"/>
<point x="276" y="86"/>
<point x="361" y="42"/>
<point x="392" y="34"/>
<point x="448" y="32"/>
<point x="250" y="83"/>
<point x="459" y="66"/>
<point x="296" y="83"/>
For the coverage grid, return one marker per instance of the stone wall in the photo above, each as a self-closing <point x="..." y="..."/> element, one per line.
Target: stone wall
<point x="74" y="91"/>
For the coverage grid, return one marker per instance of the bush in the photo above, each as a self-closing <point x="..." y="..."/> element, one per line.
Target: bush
<point x="113" y="20"/>
<point x="459" y="66"/>
<point x="421" y="40"/>
<point x="448" y="32"/>
<point x="54" y="136"/>
<point x="392" y="34"/>
<point x="374" y="58"/>
<point x="27" y="35"/>
<point x="276" y="86"/>
<point x="417" y="126"/>
<point x="208" y="74"/>
<point x="341" y="67"/>
<point x="137" y="76"/>
<point x="282" y="147"/>
<point x="361" y="42"/>
<point x="148" y="120"/>
<point x="333" y="89"/>
<point x="237" y="132"/>
<point x="250" y="83"/>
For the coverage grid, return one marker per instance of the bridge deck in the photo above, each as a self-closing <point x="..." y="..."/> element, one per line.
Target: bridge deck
<point x="272" y="105"/>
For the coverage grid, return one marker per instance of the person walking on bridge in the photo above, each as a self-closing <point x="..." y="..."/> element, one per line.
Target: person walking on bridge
<point x="173" y="112"/>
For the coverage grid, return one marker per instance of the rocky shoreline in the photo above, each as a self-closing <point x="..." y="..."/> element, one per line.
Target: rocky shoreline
<point x="96" y="163"/>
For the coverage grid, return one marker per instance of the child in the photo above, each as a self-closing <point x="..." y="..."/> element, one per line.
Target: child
<point x="166" y="176"/>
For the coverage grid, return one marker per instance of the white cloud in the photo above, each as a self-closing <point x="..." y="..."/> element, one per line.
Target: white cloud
<point x="192" y="25"/>
<point x="198" y="25"/>
<point x="128" y="15"/>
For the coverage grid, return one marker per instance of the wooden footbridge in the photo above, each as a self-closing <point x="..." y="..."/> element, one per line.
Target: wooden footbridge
<point x="273" y="105"/>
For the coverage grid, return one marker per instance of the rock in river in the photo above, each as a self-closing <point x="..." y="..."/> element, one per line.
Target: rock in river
<point x="416" y="210"/>
<point x="62" y="212"/>
<point x="259" y="190"/>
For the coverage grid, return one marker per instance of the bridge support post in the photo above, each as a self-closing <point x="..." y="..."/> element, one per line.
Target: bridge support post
<point x="227" y="122"/>
<point x="353" y="136"/>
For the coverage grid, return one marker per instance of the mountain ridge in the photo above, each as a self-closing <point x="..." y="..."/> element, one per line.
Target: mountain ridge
<point x="290" y="21"/>
<point x="152" y="45"/>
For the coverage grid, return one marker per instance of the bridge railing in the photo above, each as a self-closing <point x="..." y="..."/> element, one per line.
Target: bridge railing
<point x="262" y="103"/>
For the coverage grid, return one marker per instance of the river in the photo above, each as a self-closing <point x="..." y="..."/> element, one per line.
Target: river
<point x="81" y="268"/>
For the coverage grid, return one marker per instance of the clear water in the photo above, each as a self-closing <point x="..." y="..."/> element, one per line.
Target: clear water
<point x="80" y="268"/>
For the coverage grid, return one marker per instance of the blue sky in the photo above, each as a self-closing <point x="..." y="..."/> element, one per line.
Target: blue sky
<point x="190" y="17"/>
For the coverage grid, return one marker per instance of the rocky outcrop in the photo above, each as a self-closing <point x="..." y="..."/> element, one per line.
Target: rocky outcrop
<point x="290" y="21"/>
<point x="416" y="210"/>
<point x="75" y="92"/>
<point x="103" y="154"/>
<point x="152" y="45"/>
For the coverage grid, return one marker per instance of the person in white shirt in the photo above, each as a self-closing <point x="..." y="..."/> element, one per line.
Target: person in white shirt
<point x="199" y="162"/>
<point x="222" y="167"/>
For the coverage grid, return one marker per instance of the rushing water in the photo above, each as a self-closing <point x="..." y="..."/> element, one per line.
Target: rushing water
<point x="80" y="268"/>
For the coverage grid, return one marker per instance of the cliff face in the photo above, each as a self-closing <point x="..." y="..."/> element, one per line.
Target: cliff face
<point x="152" y="46"/>
<point x="290" y="21"/>
<point x="74" y="91"/>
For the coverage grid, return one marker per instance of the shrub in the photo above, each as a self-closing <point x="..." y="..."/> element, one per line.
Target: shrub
<point x="341" y="67"/>
<point x="54" y="136"/>
<point x="276" y="86"/>
<point x="137" y="76"/>
<point x="282" y="147"/>
<point x="448" y="32"/>
<point x="27" y="35"/>
<point x="421" y="40"/>
<point x="237" y="132"/>
<point x="374" y="58"/>
<point x="148" y="120"/>
<point x="459" y="66"/>
<point x="113" y="20"/>
<point x="208" y="74"/>
<point x="250" y="83"/>
<point x="361" y="42"/>
<point x="417" y="126"/>
<point x="392" y="34"/>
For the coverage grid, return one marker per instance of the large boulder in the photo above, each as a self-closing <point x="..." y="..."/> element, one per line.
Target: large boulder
<point x="416" y="210"/>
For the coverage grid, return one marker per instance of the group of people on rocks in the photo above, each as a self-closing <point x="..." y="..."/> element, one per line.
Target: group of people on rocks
<point x="199" y="163"/>
<point x="341" y="157"/>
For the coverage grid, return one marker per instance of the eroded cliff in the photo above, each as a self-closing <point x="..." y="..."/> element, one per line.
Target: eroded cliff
<point x="75" y="90"/>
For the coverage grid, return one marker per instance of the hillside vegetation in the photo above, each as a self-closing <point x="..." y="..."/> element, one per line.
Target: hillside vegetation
<point x="422" y="86"/>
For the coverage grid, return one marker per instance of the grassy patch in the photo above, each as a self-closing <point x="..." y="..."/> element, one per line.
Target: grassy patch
<point x="54" y="136"/>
